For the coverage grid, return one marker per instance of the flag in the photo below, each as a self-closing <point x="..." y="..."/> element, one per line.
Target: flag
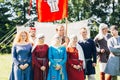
<point x="51" y="10"/>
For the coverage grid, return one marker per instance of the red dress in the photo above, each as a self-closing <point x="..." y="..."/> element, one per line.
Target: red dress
<point x="74" y="74"/>
<point x="40" y="58"/>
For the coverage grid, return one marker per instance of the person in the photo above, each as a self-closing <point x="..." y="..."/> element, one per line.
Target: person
<point x="113" y="64"/>
<point x="57" y="57"/>
<point x="21" y="53"/>
<point x="89" y="50"/>
<point x="103" y="51"/>
<point x="75" y="60"/>
<point x="40" y="59"/>
<point x="67" y="40"/>
<point x="32" y="32"/>
<point x="60" y="31"/>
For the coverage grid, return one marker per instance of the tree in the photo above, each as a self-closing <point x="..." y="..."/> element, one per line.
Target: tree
<point x="12" y="13"/>
<point x="6" y="25"/>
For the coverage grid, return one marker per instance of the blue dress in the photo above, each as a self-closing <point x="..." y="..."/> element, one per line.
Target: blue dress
<point x="113" y="64"/>
<point x="21" y="54"/>
<point x="57" y="56"/>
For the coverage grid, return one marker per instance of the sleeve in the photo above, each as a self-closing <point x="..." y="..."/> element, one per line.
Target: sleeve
<point x="97" y="45"/>
<point x="46" y="63"/>
<point x="115" y="51"/>
<point x="81" y="55"/>
<point x="34" y="58"/>
<point x="30" y="55"/>
<point x="69" y="61"/>
<point x="64" y="57"/>
<point x="81" y="63"/>
<point x="14" y="55"/>
<point x="94" y="52"/>
<point x="50" y="57"/>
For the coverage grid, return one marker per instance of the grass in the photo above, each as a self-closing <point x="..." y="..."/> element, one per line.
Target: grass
<point x="5" y="66"/>
<point x="6" y="62"/>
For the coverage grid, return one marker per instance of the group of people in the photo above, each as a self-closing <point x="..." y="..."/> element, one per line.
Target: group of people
<point x="67" y="58"/>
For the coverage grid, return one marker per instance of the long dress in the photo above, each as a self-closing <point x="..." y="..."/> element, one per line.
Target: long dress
<point x="21" y="54"/>
<point x="113" y="64"/>
<point x="89" y="50"/>
<point x="40" y="58"/>
<point x="72" y="59"/>
<point x="57" y="56"/>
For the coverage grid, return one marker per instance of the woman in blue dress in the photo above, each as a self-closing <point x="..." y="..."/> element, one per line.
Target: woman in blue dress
<point x="21" y="53"/>
<point x="57" y="57"/>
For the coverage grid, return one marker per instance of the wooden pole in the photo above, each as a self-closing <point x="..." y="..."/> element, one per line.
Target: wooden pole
<point x="66" y="30"/>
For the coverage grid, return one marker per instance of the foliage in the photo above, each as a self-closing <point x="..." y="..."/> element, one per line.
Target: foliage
<point x="12" y="13"/>
<point x="5" y="48"/>
<point x="96" y="11"/>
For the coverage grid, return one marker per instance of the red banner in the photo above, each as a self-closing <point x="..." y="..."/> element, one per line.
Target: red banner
<point x="51" y="10"/>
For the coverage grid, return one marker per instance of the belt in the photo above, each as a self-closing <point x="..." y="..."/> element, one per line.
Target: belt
<point x="74" y="59"/>
<point x="58" y="60"/>
<point x="41" y="58"/>
<point x="87" y="60"/>
<point x="22" y="60"/>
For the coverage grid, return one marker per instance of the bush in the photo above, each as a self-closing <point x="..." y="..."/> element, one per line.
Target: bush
<point x="5" y="48"/>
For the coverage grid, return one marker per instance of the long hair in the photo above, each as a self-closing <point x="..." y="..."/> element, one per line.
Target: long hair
<point x="18" y="37"/>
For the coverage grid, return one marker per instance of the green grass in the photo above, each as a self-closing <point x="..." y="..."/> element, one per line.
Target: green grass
<point x="6" y="62"/>
<point x="5" y="66"/>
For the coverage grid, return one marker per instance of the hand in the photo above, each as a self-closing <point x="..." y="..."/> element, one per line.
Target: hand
<point x="43" y="68"/>
<point x="75" y="67"/>
<point x="94" y="64"/>
<point x="25" y="66"/>
<point x="58" y="67"/>
<point x="78" y="67"/>
<point x="21" y="67"/>
<point x="102" y="50"/>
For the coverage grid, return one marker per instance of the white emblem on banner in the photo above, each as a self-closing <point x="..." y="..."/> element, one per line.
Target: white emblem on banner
<point x="53" y="4"/>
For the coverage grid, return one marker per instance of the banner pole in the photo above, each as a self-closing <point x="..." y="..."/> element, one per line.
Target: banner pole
<point x="66" y="30"/>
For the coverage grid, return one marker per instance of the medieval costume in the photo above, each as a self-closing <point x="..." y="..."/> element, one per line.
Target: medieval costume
<point x="40" y="58"/>
<point x="102" y="48"/>
<point x="89" y="51"/>
<point x="57" y="56"/>
<point x="73" y="59"/>
<point x="113" y="64"/>
<point x="21" y="55"/>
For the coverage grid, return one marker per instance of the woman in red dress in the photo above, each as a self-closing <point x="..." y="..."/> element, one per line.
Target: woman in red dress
<point x="40" y="59"/>
<point x="75" y="60"/>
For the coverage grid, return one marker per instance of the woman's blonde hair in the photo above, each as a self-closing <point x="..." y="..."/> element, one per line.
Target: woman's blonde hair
<point x="18" y="37"/>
